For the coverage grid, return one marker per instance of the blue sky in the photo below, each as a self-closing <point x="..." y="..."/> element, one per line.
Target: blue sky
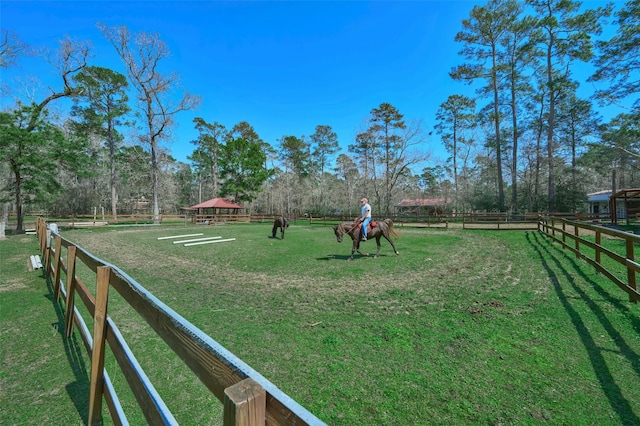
<point x="284" y="67"/>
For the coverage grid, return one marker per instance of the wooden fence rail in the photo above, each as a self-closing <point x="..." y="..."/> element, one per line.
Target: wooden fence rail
<point x="499" y="221"/>
<point x="216" y="219"/>
<point x="413" y="220"/>
<point x="248" y="398"/>
<point x="561" y="230"/>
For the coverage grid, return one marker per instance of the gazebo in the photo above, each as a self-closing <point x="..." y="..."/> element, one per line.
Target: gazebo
<point x="216" y="206"/>
<point x="625" y="204"/>
<point x="216" y="210"/>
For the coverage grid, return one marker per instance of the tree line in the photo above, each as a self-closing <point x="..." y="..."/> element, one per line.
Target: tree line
<point x="524" y="141"/>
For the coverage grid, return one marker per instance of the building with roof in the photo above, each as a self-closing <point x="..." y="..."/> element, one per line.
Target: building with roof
<point x="598" y="202"/>
<point x="421" y="207"/>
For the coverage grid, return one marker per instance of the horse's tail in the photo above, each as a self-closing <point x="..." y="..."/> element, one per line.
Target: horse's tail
<point x="389" y="223"/>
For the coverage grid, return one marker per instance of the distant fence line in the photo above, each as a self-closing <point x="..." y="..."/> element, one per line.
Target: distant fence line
<point x="571" y="234"/>
<point x="468" y="220"/>
<point x="248" y="398"/>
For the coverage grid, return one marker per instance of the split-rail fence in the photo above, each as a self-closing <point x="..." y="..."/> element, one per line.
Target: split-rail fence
<point x="586" y="241"/>
<point x="248" y="398"/>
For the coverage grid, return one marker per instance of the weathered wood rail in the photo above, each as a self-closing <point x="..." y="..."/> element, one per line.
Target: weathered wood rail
<point x="420" y="221"/>
<point x="248" y="398"/>
<point x="216" y="219"/>
<point x="561" y="230"/>
<point x="499" y="221"/>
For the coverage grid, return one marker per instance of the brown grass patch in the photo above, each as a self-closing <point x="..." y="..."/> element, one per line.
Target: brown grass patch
<point x="13" y="284"/>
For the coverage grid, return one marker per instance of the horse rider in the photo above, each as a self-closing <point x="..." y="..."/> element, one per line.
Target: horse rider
<point x="365" y="217"/>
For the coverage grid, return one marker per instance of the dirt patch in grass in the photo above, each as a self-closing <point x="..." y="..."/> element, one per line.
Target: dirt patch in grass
<point x="13" y="284"/>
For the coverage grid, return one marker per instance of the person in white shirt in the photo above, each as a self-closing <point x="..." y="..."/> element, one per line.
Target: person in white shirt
<point x="365" y="217"/>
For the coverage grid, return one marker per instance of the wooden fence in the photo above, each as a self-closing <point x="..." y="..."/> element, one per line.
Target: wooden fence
<point x="248" y="398"/>
<point x="420" y="221"/>
<point x="219" y="219"/>
<point x="561" y="230"/>
<point x="499" y="221"/>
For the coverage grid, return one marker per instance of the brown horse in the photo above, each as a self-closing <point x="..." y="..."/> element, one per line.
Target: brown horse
<point x="282" y="223"/>
<point x="382" y="229"/>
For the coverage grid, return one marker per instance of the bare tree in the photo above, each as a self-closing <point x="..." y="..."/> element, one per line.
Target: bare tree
<point x="396" y="150"/>
<point x="141" y="54"/>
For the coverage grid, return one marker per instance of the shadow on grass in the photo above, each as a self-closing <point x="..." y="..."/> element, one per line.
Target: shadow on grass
<point x="355" y="256"/>
<point x="559" y="275"/>
<point x="334" y="257"/>
<point x="78" y="390"/>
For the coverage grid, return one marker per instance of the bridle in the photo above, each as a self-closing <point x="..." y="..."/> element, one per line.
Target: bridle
<point x="343" y="229"/>
<point x="354" y="227"/>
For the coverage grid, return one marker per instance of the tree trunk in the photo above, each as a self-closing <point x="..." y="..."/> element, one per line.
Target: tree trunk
<point x="552" y="111"/>
<point x="514" y="161"/>
<point x="114" y="195"/>
<point x="496" y="109"/>
<point x="18" y="199"/>
<point x="4" y="220"/>
<point x="454" y="155"/>
<point x="154" y="181"/>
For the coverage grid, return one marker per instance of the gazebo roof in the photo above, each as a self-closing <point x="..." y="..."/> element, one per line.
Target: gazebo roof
<point x="627" y="193"/>
<point x="216" y="203"/>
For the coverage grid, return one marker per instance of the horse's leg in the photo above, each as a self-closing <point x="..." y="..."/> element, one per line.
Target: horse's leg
<point x="356" y="247"/>
<point x="356" y="243"/>
<point x="274" y="230"/>
<point x="378" y="246"/>
<point x="353" y="250"/>
<point x="386" y="235"/>
<point x="355" y="237"/>
<point x="282" y="233"/>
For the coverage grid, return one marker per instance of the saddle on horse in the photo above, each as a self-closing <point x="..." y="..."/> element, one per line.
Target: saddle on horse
<point x="372" y="225"/>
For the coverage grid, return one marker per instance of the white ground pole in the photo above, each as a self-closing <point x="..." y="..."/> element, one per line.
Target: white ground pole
<point x="196" y="239"/>
<point x="36" y="263"/>
<point x="179" y="236"/>
<point x="209" y="242"/>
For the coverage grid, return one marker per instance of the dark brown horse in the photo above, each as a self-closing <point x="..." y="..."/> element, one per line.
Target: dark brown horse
<point x="382" y="229"/>
<point x="282" y="223"/>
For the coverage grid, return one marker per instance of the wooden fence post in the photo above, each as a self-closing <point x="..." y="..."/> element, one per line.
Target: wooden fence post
<point x="43" y="238"/>
<point x="631" y="273"/>
<point x="41" y="232"/>
<point x="245" y="404"/>
<point x="99" y="336"/>
<point x="71" y="290"/>
<point x="598" y="242"/>
<point x="56" y="269"/>
<point x="576" y="231"/>
<point x="564" y="234"/>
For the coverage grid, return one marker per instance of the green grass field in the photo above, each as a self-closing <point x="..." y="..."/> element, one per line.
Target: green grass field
<point x="464" y="327"/>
